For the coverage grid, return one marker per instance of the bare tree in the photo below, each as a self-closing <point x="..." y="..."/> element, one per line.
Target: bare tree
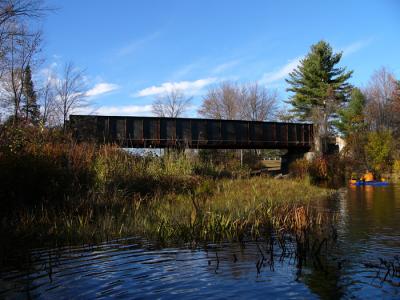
<point x="172" y="104"/>
<point x="15" y="19"/>
<point x="19" y="45"/>
<point x="257" y="103"/>
<point x="381" y="100"/>
<point x="47" y="100"/>
<point x="70" y="92"/>
<point x="12" y="10"/>
<point x="232" y="101"/>
<point x="222" y="102"/>
<point x="21" y="51"/>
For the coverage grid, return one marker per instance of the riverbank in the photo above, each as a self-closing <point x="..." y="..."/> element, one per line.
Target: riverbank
<point x="362" y="264"/>
<point x="56" y="191"/>
<point x="216" y="210"/>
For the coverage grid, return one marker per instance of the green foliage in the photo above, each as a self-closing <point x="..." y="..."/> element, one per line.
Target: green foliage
<point x="396" y="169"/>
<point x="30" y="109"/>
<point x="223" y="163"/>
<point x="235" y="210"/>
<point x="118" y="171"/>
<point x="355" y="150"/>
<point x="351" y="118"/>
<point x="51" y="187"/>
<point x="227" y="209"/>
<point x="316" y="82"/>
<point x="379" y="150"/>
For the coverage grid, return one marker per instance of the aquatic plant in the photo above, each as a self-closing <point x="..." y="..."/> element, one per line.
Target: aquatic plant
<point x="223" y="210"/>
<point x="54" y="189"/>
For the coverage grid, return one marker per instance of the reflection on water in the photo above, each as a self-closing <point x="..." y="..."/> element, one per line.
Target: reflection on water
<point x="368" y="236"/>
<point x="134" y="270"/>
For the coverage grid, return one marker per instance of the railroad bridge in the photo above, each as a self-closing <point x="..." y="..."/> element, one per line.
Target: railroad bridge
<point x="155" y="132"/>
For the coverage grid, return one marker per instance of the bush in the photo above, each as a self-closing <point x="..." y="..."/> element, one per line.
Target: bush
<point x="330" y="168"/>
<point x="379" y="150"/>
<point x="117" y="170"/>
<point x="396" y="169"/>
<point x="41" y="166"/>
<point x="300" y="168"/>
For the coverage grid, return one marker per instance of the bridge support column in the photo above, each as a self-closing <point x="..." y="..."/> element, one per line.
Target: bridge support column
<point x="289" y="157"/>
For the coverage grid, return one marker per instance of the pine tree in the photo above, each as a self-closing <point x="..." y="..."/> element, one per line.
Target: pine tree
<point x="30" y="108"/>
<point x="320" y="88"/>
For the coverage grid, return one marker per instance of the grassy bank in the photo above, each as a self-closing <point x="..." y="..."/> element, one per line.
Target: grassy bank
<point x="54" y="190"/>
<point x="226" y="209"/>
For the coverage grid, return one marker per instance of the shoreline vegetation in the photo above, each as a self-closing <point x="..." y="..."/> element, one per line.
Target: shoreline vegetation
<point x="53" y="189"/>
<point x="60" y="192"/>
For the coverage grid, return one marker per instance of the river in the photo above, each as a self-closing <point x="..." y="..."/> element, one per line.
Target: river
<point x="364" y="263"/>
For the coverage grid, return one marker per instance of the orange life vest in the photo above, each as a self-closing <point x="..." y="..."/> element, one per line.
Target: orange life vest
<point x="368" y="176"/>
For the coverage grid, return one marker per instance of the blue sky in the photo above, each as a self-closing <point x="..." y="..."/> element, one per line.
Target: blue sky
<point x="134" y="50"/>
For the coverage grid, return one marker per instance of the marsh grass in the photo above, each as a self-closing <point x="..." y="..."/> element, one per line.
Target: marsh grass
<point x="56" y="191"/>
<point x="216" y="211"/>
<point x="236" y="209"/>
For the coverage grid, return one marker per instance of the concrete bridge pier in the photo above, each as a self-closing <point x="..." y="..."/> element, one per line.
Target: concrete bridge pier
<point x="291" y="156"/>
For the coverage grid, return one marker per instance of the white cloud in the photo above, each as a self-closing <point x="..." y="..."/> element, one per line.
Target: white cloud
<point x="225" y="66"/>
<point x="101" y="88"/>
<point x="185" y="70"/>
<point x="189" y="87"/>
<point x="280" y="73"/>
<point x="48" y="72"/>
<point x="123" y="110"/>
<point x="356" y="46"/>
<point x="135" y="45"/>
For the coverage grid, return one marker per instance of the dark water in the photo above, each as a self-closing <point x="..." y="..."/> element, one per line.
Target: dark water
<point x="357" y="267"/>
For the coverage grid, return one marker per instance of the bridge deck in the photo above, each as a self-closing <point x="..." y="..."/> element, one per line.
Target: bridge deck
<point x="147" y="132"/>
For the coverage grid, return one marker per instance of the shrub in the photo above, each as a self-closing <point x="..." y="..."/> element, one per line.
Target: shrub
<point x="379" y="150"/>
<point x="300" y="168"/>
<point x="330" y="168"/>
<point x="45" y="166"/>
<point x="117" y="170"/>
<point x="396" y="169"/>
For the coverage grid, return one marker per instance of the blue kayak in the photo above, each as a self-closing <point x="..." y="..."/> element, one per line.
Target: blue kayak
<point x="372" y="183"/>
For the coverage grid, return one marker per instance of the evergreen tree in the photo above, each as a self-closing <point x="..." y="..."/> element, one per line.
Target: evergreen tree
<point x="351" y="118"/>
<point x="30" y="108"/>
<point x="320" y="88"/>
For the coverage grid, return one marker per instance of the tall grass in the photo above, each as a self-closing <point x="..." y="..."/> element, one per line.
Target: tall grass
<point x="235" y="209"/>
<point x="52" y="189"/>
<point x="223" y="210"/>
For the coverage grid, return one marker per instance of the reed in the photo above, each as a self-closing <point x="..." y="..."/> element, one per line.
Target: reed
<point x="236" y="209"/>
<point x="55" y="190"/>
<point x="222" y="210"/>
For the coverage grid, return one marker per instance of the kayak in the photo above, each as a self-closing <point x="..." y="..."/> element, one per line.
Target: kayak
<point x="370" y="183"/>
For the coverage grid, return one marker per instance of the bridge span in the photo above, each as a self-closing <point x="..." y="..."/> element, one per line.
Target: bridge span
<point x="155" y="132"/>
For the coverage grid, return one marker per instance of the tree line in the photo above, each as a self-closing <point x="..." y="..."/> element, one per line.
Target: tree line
<point x="228" y="100"/>
<point x="368" y="118"/>
<point x="57" y="95"/>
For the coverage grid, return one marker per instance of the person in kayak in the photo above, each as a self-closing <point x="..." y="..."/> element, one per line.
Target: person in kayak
<point x="367" y="177"/>
<point x="353" y="178"/>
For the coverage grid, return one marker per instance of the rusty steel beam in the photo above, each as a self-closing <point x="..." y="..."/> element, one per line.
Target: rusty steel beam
<point x="153" y="132"/>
